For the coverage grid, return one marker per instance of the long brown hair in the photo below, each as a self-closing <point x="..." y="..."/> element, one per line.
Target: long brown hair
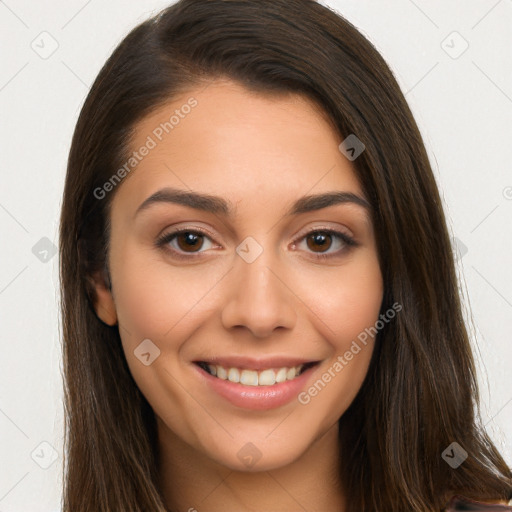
<point x="420" y="394"/>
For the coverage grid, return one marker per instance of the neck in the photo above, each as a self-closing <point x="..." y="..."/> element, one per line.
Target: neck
<point x="191" y="481"/>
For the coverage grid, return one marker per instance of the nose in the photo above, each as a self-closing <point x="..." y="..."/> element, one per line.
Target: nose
<point x="261" y="300"/>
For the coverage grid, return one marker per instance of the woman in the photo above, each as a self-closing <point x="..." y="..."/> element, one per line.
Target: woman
<point x="259" y="300"/>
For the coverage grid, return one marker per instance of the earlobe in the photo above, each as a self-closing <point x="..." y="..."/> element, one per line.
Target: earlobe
<point x="103" y="300"/>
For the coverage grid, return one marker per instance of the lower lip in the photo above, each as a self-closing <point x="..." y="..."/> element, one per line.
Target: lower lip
<point x="257" y="397"/>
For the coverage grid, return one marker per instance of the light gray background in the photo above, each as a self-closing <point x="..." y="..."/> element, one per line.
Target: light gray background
<point x="462" y="103"/>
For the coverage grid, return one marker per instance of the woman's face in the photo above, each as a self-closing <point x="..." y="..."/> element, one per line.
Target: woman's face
<point x="254" y="284"/>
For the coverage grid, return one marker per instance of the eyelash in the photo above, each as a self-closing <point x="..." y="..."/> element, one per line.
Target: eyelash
<point x="166" y="238"/>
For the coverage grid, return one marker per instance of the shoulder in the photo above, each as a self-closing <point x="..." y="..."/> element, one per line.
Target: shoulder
<point x="460" y="503"/>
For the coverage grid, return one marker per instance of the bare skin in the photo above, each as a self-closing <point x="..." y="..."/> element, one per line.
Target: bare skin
<point x="261" y="154"/>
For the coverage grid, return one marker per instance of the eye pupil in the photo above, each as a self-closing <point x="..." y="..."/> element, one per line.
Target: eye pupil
<point x="320" y="239"/>
<point x="190" y="240"/>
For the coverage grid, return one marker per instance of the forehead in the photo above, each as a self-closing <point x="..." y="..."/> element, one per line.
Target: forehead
<point x="231" y="142"/>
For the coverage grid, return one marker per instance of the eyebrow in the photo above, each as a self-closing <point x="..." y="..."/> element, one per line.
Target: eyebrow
<point x="218" y="205"/>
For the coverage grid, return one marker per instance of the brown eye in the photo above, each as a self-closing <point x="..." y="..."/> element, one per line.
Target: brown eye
<point x="189" y="241"/>
<point x="185" y="243"/>
<point x="328" y="243"/>
<point x="319" y="239"/>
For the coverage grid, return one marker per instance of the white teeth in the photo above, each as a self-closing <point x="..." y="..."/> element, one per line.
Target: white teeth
<point x="281" y="375"/>
<point x="248" y="377"/>
<point x="290" y="374"/>
<point x="221" y="373"/>
<point x="267" y="377"/>
<point x="234" y="375"/>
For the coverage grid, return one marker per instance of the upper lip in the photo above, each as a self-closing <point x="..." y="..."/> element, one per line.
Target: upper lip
<point x="249" y="363"/>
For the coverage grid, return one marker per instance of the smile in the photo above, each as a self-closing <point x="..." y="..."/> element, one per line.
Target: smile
<point x="248" y="377"/>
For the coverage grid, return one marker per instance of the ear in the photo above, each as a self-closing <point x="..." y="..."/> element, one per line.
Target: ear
<point x="103" y="299"/>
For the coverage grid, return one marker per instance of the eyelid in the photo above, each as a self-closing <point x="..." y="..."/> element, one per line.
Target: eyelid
<point x="348" y="242"/>
<point x="187" y="228"/>
<point x="306" y="231"/>
<point x="164" y="239"/>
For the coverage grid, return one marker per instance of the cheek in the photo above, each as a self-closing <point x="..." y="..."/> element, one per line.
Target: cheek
<point x="345" y="301"/>
<point x="162" y="302"/>
<point x="345" y="315"/>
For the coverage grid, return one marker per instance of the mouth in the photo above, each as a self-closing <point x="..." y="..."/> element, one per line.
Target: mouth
<point x="253" y="377"/>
